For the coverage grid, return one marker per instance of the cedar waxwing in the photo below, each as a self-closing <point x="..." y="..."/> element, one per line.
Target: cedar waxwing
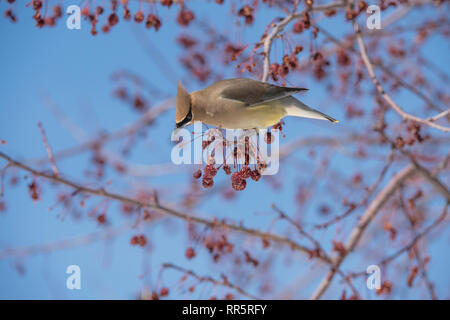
<point x="241" y="104"/>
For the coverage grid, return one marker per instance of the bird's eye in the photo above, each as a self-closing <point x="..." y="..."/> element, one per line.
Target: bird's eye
<point x="186" y="120"/>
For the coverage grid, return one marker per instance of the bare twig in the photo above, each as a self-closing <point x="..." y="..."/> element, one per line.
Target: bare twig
<point x="437" y="184"/>
<point x="319" y="250"/>
<point x="417" y="253"/>
<point x="49" y="150"/>
<point x="105" y="234"/>
<point x="2" y="178"/>
<point x="440" y="115"/>
<point x="418" y="236"/>
<point x="299" y="228"/>
<point x="224" y="282"/>
<point x="363" y="201"/>
<point x="145" y="120"/>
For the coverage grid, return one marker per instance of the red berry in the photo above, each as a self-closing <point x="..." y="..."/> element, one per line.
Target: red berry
<point x="57" y="11"/>
<point x="255" y="175"/>
<point x="153" y="21"/>
<point x="190" y="253"/>
<point x="245" y="172"/>
<point x="139" y="16"/>
<point x="134" y="240"/>
<point x="101" y="218"/>
<point x="197" y="174"/>
<point x="113" y="19"/>
<point x="210" y="171"/>
<point x="227" y="169"/>
<point x="237" y="182"/>
<point x="167" y="3"/>
<point x="268" y="137"/>
<point x="185" y="17"/>
<point x="229" y="296"/>
<point x="142" y="240"/>
<point x="207" y="182"/>
<point x="37" y="4"/>
<point x="126" y="14"/>
<point x="164" y="292"/>
<point x="298" y="27"/>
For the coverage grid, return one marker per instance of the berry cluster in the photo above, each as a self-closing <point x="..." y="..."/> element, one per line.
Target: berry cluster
<point x="9" y="14"/>
<point x="42" y="21"/>
<point x="208" y="175"/>
<point x="137" y="101"/>
<point x="238" y="178"/>
<point x="290" y="63"/>
<point x="217" y="245"/>
<point x="140" y="240"/>
<point x="350" y="14"/>
<point x="247" y="13"/>
<point x="247" y="160"/>
<point x="302" y="24"/>
<point x="93" y="13"/>
<point x="34" y="191"/>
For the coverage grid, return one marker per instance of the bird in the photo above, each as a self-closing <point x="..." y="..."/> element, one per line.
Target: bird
<point x="241" y="103"/>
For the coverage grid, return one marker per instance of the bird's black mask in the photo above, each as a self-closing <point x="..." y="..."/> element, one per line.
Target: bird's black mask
<point x="186" y="120"/>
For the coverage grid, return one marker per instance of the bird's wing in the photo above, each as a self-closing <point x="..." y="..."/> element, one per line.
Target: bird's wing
<point x="252" y="93"/>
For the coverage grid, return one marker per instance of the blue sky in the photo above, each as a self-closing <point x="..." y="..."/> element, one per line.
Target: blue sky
<point x="73" y="69"/>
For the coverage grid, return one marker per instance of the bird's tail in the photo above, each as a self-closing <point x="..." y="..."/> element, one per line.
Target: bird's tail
<point x="297" y="108"/>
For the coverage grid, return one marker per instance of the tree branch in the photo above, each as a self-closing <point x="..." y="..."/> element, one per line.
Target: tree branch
<point x="277" y="28"/>
<point x="144" y="121"/>
<point x="224" y="282"/>
<point x="383" y="196"/>
<point x="65" y="244"/>
<point x="413" y="89"/>
<point x="380" y="89"/>
<point x="163" y="209"/>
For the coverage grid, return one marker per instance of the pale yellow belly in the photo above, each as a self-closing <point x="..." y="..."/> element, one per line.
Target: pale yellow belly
<point x="261" y="116"/>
